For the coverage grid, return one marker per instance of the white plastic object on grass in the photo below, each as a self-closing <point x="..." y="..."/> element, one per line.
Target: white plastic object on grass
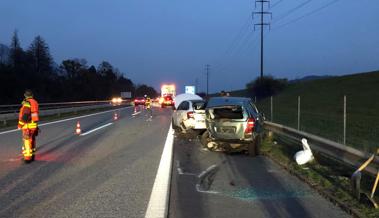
<point x="304" y="156"/>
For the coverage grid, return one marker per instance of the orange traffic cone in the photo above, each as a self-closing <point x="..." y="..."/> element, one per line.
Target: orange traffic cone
<point x="115" y="117"/>
<point x="78" y="130"/>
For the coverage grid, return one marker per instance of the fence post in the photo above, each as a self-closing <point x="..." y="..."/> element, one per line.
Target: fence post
<point x="298" y="113"/>
<point x="344" y="119"/>
<point x="272" y="111"/>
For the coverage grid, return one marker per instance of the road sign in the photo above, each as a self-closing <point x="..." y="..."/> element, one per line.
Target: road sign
<point x="190" y="89"/>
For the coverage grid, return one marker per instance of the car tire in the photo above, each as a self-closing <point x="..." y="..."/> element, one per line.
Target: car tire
<point x="204" y="139"/>
<point x="173" y="124"/>
<point x="253" y="147"/>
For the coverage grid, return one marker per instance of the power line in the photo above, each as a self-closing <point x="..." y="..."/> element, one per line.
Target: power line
<point x="241" y="33"/>
<point x="276" y="3"/>
<point x="237" y="51"/>
<point x="307" y="14"/>
<point x="289" y="12"/>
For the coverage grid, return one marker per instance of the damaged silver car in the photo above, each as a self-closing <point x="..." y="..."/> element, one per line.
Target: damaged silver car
<point x="233" y="125"/>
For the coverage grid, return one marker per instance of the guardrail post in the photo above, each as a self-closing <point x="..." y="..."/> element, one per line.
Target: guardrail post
<point x="298" y="113"/>
<point x="272" y="110"/>
<point x="344" y="119"/>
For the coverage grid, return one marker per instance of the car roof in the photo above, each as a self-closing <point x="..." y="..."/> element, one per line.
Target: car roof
<point x="196" y="101"/>
<point x="222" y="101"/>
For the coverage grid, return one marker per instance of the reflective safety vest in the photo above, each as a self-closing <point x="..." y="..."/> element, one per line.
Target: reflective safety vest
<point x="34" y="109"/>
<point x="29" y="114"/>
<point x="148" y="103"/>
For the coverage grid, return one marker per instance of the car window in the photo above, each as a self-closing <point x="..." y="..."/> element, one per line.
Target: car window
<point x="183" y="106"/>
<point x="254" y="108"/>
<point x="231" y="112"/>
<point x="199" y="105"/>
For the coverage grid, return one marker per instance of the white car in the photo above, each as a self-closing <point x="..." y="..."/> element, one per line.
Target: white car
<point x="190" y="114"/>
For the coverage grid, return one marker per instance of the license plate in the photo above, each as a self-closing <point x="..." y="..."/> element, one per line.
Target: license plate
<point x="227" y="129"/>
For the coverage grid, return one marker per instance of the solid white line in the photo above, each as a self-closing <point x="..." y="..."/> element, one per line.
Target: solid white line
<point x="100" y="127"/>
<point x="136" y="113"/>
<point x="158" y="203"/>
<point x="72" y="118"/>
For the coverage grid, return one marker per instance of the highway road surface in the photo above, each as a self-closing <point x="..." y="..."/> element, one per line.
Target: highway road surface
<point x="214" y="184"/>
<point x="111" y="170"/>
<point x="107" y="173"/>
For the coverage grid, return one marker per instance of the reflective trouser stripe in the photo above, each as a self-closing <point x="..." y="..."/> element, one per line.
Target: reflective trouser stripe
<point x="31" y="126"/>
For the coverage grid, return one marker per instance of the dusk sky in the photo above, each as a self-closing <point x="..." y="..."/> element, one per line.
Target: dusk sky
<point x="158" y="41"/>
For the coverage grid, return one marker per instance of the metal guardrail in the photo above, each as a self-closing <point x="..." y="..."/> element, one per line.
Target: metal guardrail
<point x="346" y="154"/>
<point x="10" y="112"/>
<point x="13" y="108"/>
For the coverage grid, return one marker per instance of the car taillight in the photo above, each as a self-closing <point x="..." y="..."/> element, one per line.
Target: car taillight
<point x="250" y="125"/>
<point x="190" y="115"/>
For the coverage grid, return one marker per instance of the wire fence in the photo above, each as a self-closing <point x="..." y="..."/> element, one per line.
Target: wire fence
<point x="340" y="119"/>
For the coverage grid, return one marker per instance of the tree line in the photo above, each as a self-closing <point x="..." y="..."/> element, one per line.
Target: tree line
<point x="71" y="80"/>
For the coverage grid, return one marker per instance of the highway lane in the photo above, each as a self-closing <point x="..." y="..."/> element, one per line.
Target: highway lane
<point x="107" y="173"/>
<point x="214" y="184"/>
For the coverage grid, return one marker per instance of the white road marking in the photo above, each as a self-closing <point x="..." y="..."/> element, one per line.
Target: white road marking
<point x="202" y="176"/>
<point x="207" y="171"/>
<point x="100" y="127"/>
<point x="72" y="118"/>
<point x="180" y="170"/>
<point x="158" y="203"/>
<point x="198" y="189"/>
<point x="134" y="114"/>
<point x="11" y="160"/>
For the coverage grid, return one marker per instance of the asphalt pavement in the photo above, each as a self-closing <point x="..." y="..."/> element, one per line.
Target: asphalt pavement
<point x="110" y="171"/>
<point x="104" y="173"/>
<point x="214" y="184"/>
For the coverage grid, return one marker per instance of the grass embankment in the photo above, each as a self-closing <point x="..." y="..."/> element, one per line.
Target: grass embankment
<point x="11" y="124"/>
<point x="322" y="108"/>
<point x="329" y="178"/>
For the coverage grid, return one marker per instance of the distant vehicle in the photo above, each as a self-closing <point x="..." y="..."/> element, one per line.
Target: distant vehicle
<point x="168" y="90"/>
<point x="139" y="101"/>
<point x="233" y="124"/>
<point x="167" y="101"/>
<point x="190" y="114"/>
<point x="116" y="101"/>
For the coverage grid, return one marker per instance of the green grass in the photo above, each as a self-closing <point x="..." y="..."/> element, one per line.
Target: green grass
<point x="327" y="176"/>
<point x="322" y="108"/>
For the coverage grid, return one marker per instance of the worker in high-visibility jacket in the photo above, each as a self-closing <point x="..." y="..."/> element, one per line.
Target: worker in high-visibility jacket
<point x="148" y="107"/>
<point x="28" y="119"/>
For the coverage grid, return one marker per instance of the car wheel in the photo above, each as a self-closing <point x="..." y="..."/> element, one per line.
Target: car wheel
<point x="253" y="147"/>
<point x="204" y="139"/>
<point x="173" y="124"/>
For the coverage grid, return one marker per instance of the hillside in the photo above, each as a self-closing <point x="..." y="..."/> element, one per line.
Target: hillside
<point x="322" y="108"/>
